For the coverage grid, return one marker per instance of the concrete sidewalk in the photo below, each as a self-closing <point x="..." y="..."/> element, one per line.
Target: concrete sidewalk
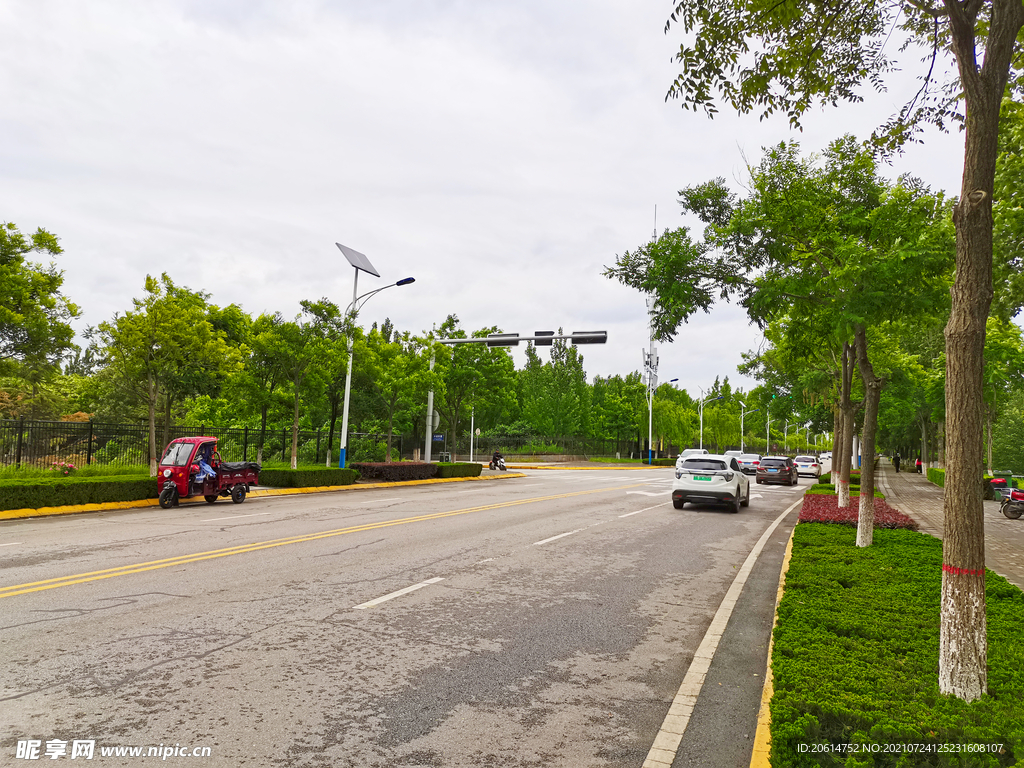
<point x="915" y="496"/>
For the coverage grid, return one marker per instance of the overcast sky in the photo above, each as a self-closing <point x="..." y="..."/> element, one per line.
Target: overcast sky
<point x="499" y="152"/>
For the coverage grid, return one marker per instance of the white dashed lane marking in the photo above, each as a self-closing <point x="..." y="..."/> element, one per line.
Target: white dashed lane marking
<point x="399" y="593"/>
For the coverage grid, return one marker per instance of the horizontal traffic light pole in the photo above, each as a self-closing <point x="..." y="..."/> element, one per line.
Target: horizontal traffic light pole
<point x="540" y="339"/>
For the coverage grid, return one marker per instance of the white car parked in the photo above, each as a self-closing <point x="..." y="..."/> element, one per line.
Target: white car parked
<point x="710" y="479"/>
<point x="807" y="465"/>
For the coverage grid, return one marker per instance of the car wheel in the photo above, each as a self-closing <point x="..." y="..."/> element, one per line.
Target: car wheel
<point x="735" y="507"/>
<point x="759" y="481"/>
<point x="746" y="500"/>
<point x="678" y="503"/>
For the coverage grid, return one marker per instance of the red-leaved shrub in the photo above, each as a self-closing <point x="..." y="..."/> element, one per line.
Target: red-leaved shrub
<point x="825" y="509"/>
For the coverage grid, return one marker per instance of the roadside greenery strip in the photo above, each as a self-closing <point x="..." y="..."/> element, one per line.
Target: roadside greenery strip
<point x="307" y="477"/>
<point x="459" y="469"/>
<point x="855" y="653"/>
<point x="37" y="492"/>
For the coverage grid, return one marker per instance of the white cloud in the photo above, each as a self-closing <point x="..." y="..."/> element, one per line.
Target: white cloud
<point x="501" y="153"/>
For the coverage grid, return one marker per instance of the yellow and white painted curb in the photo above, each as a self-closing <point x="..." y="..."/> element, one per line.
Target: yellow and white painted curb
<point x="14" y="514"/>
<point x="666" y="744"/>
<point x="761" y="756"/>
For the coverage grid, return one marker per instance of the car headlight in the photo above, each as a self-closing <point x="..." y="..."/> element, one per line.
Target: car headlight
<point x="167" y="473"/>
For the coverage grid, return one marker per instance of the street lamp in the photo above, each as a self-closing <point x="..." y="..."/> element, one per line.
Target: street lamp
<point x="360" y="262"/>
<point x="742" y="411"/>
<point x="785" y="438"/>
<point x="702" y="417"/>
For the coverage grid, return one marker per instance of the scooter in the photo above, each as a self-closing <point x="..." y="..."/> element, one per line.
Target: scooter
<point x="1013" y="505"/>
<point x="498" y="463"/>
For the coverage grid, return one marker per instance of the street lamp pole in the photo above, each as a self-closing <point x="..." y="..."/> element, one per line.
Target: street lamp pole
<point x="360" y="262"/>
<point x="702" y="418"/>
<point x="742" y="411"/>
<point x="768" y="433"/>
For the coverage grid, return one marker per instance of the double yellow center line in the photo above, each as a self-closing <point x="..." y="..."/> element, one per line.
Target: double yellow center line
<point x="152" y="565"/>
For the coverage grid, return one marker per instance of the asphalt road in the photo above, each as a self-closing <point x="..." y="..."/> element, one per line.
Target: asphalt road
<point x="538" y="621"/>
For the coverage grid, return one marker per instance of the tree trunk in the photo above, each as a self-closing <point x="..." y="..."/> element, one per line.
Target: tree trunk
<point x="842" y="482"/>
<point x="988" y="440"/>
<point x="940" y="438"/>
<point x="167" y="418"/>
<point x="295" y="430"/>
<point x="963" y="648"/>
<point x="154" y="393"/>
<point x="872" y="396"/>
<point x="263" y="433"/>
<point x="334" y="400"/>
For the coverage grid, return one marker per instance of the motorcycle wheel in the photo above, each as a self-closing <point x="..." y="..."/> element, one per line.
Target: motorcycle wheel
<point x="1010" y="509"/>
<point x="210" y="499"/>
<point x="167" y="498"/>
<point x="238" y="493"/>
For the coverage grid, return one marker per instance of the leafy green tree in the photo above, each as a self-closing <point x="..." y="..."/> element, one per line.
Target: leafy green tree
<point x="35" y="330"/>
<point x="400" y="372"/>
<point x="789" y="56"/>
<point x="471" y="374"/>
<point x="165" y="345"/>
<point x="302" y="344"/>
<point x="822" y="244"/>
<point x="1004" y="371"/>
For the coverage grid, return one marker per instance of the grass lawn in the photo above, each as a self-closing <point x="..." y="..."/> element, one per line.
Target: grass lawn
<point x="855" y="658"/>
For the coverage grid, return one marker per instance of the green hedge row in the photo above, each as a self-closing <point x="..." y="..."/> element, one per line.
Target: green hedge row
<point x="459" y="469"/>
<point x="66" y="491"/>
<point x="856" y="653"/>
<point x="824" y="489"/>
<point x="396" y="471"/>
<point x="854" y="477"/>
<point x="663" y="463"/>
<point x="307" y="477"/>
<point x="937" y="476"/>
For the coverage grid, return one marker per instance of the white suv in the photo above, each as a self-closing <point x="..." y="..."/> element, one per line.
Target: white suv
<point x="710" y="478"/>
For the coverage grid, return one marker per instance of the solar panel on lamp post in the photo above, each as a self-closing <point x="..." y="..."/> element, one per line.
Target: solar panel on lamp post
<point x="359" y="262"/>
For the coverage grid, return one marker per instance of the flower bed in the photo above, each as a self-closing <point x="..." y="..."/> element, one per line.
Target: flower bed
<point x="825" y="509"/>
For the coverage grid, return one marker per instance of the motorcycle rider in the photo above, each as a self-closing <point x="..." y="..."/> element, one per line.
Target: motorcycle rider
<point x="494" y="459"/>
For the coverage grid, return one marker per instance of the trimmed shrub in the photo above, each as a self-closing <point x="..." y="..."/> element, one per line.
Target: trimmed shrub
<point x="825" y="490"/>
<point x="663" y="463"/>
<point x="937" y="476"/>
<point x="307" y="477"/>
<point x="854" y="477"/>
<point x="459" y="469"/>
<point x="397" y="471"/>
<point x="856" y="650"/>
<point x="33" y="493"/>
<point x="824" y="508"/>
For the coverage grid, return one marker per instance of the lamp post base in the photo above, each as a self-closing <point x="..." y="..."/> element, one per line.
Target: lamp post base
<point x="341" y="458"/>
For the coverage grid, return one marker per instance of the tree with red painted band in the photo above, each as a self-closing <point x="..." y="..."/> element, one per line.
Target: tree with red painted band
<point x="787" y="57"/>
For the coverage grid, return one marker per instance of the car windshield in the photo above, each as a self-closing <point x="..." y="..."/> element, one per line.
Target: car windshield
<point x="177" y="454"/>
<point x="806" y="459"/>
<point x="709" y="465"/>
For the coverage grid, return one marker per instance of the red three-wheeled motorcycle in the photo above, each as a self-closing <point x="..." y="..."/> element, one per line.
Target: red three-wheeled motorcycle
<point x="191" y="466"/>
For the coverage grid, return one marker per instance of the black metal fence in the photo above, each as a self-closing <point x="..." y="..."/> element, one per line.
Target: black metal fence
<point x="42" y="444"/>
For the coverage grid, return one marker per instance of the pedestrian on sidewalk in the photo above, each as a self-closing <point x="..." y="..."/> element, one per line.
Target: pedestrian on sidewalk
<point x="918" y="464"/>
<point x="896" y="462"/>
